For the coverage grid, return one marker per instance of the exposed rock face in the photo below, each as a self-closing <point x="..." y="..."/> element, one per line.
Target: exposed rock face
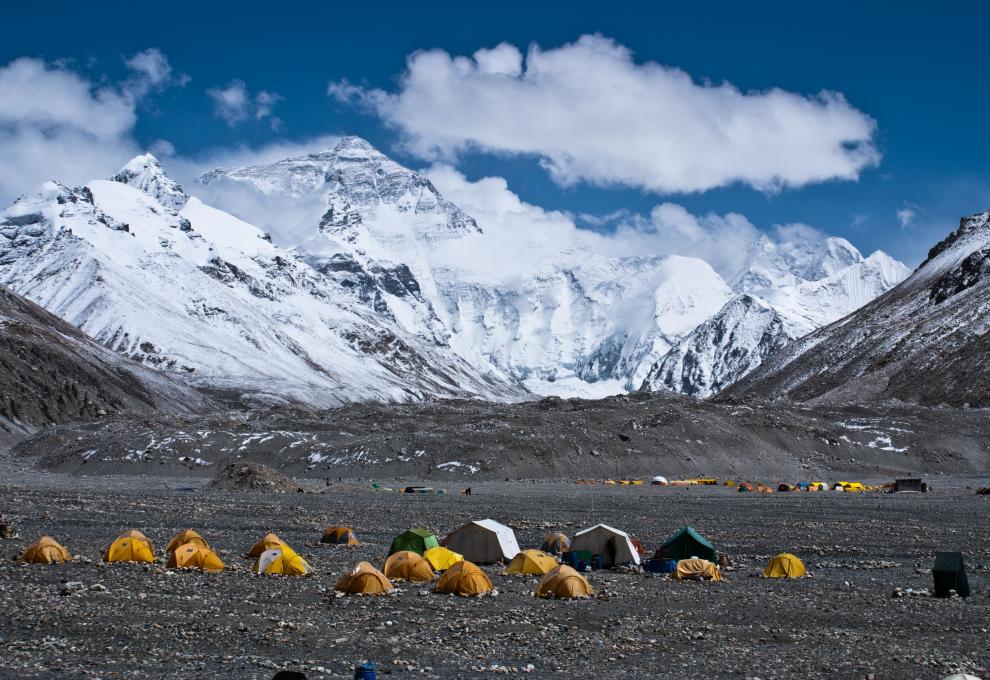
<point x="925" y="341"/>
<point x="51" y="373"/>
<point x="721" y="350"/>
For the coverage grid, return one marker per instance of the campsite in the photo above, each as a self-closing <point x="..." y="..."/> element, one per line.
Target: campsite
<point x="89" y="619"/>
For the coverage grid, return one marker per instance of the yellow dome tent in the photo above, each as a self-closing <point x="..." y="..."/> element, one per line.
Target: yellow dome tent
<point x="696" y="569"/>
<point x="563" y="582"/>
<point x="785" y="565"/>
<point x="364" y="579"/>
<point x="130" y="546"/>
<point x="555" y="543"/>
<point x="442" y="559"/>
<point x="194" y="556"/>
<point x="406" y="565"/>
<point x="464" y="578"/>
<point x="531" y="562"/>
<point x="267" y="542"/>
<point x="186" y="536"/>
<point x="281" y="560"/>
<point x="339" y="536"/>
<point x="46" y="550"/>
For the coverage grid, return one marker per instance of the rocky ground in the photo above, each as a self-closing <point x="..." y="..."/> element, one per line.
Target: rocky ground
<point x="637" y="434"/>
<point x="87" y="620"/>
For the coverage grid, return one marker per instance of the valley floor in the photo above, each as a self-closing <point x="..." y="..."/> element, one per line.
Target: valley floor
<point x="154" y="623"/>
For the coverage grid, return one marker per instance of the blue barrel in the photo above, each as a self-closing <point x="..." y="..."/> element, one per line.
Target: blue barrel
<point x="366" y="671"/>
<point x="598" y="562"/>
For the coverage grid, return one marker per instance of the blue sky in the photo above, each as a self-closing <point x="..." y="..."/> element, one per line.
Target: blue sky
<point x="918" y="72"/>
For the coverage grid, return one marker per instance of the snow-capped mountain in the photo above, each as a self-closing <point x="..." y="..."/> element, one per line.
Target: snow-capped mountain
<point x="755" y="324"/>
<point x="555" y="318"/>
<point x="773" y="264"/>
<point x="201" y="293"/>
<point x="561" y="318"/>
<point x="146" y="174"/>
<point x="924" y="341"/>
<point x="365" y="283"/>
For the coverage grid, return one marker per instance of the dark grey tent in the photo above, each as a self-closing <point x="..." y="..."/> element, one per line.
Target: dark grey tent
<point x="688" y="543"/>
<point x="950" y="574"/>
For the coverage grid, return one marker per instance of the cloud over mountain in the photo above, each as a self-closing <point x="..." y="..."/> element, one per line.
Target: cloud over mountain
<point x="590" y="113"/>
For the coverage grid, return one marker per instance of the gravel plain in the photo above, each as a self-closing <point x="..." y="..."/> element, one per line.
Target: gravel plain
<point x="90" y="620"/>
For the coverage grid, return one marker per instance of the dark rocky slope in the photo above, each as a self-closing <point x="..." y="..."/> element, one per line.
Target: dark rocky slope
<point x="926" y="341"/>
<point x="50" y="373"/>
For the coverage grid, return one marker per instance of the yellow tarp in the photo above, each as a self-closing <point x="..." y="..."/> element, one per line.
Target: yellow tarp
<point x="406" y="565"/>
<point x="186" y="536"/>
<point x="464" y="578"/>
<point x="697" y="570"/>
<point x="46" y="550"/>
<point x="365" y="579"/>
<point x="563" y="582"/>
<point x="194" y="556"/>
<point x="785" y="565"/>
<point x="531" y="562"/>
<point x="442" y="559"/>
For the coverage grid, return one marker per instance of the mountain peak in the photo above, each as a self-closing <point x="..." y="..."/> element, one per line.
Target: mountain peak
<point x="354" y="143"/>
<point x="145" y="173"/>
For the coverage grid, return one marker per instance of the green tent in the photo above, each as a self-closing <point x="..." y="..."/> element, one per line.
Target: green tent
<point x="950" y="574"/>
<point x="687" y="543"/>
<point x="418" y="540"/>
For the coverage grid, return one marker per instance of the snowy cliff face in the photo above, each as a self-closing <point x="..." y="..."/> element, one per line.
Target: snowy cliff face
<point x="200" y="293"/>
<point x="563" y="320"/>
<point x="146" y="174"/>
<point x="555" y="318"/>
<point x="924" y="341"/>
<point x="755" y="324"/>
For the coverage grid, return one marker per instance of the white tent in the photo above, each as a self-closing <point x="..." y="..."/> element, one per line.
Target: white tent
<point x="483" y="542"/>
<point x="961" y="676"/>
<point x="613" y="545"/>
<point x="660" y="480"/>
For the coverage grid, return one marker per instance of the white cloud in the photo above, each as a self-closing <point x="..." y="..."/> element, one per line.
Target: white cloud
<point x="518" y="233"/>
<point x="55" y="124"/>
<point x="294" y="222"/>
<point x="590" y="113"/>
<point x="234" y="103"/>
<point x="905" y="216"/>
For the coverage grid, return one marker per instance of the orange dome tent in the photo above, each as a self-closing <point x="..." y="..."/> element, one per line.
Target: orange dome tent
<point x="281" y="560"/>
<point x="339" y="536"/>
<point x="46" y="550"/>
<point x="531" y="562"/>
<point x="130" y="546"/>
<point x="785" y="565"/>
<point x="364" y="579"/>
<point x="406" y="565"/>
<point x="186" y="536"/>
<point x="466" y="579"/>
<point x="563" y="582"/>
<point x="194" y="556"/>
<point x="268" y="542"/>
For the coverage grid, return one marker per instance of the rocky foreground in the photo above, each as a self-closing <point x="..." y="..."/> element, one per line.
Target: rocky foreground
<point x="86" y="619"/>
